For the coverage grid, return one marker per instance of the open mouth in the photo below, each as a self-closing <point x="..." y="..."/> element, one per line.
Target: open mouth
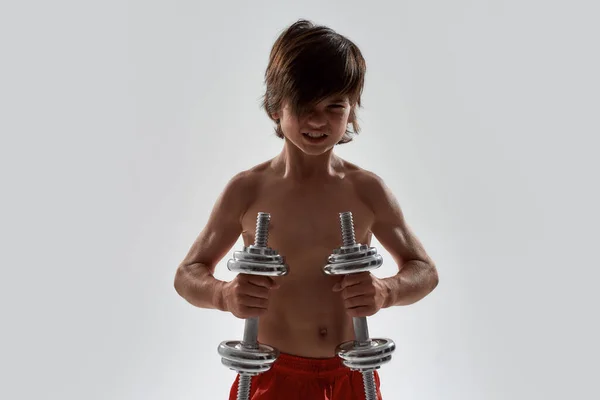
<point x="314" y="137"/>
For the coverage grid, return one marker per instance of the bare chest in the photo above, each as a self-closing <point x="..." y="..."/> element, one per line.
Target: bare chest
<point x="305" y="222"/>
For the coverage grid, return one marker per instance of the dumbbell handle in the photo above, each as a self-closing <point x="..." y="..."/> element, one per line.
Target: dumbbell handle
<point x="250" y="333"/>
<point x="251" y="325"/>
<point x="361" y="333"/>
<point x="250" y="341"/>
<point x="361" y="329"/>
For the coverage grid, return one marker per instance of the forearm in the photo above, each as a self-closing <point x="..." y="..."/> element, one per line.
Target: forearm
<point x="197" y="285"/>
<point x="413" y="282"/>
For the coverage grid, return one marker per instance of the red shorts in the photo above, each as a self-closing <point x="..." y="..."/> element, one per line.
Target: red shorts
<point x="298" y="378"/>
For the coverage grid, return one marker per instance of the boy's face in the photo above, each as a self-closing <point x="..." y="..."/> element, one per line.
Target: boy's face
<point x="327" y="119"/>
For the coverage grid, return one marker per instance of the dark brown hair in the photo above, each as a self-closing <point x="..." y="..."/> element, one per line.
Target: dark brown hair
<point x="308" y="63"/>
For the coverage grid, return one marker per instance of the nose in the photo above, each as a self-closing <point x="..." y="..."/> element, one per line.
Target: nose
<point x="316" y="120"/>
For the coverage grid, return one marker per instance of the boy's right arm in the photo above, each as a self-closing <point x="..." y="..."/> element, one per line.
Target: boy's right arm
<point x="194" y="280"/>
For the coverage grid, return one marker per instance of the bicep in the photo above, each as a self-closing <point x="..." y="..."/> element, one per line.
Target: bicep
<point x="390" y="227"/>
<point x="223" y="227"/>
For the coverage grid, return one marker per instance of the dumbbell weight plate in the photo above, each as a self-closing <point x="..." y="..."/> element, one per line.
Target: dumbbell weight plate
<point x="258" y="261"/>
<point x="252" y="250"/>
<point x="247" y="360"/>
<point x="355" y="251"/>
<point x="369" y="356"/>
<point x="251" y="268"/>
<point x="339" y="266"/>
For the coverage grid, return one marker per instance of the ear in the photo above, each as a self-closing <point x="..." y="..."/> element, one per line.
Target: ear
<point x="352" y="114"/>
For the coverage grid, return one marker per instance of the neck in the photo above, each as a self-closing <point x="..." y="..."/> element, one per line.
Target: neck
<point x="297" y="165"/>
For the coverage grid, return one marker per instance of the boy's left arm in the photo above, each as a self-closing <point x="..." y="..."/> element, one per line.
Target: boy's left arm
<point x="363" y="293"/>
<point x="417" y="274"/>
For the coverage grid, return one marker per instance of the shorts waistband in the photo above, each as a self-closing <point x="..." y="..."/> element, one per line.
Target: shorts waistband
<point x="310" y="366"/>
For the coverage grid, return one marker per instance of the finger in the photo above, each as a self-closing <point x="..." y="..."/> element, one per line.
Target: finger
<point x="359" y="301"/>
<point x="264" y="281"/>
<point x="360" y="312"/>
<point x="343" y="283"/>
<point x="255" y="291"/>
<point x="353" y="279"/>
<point x="251" y="301"/>
<point x="360" y="289"/>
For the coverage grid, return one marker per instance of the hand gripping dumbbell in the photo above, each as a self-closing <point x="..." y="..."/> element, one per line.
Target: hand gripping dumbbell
<point x="248" y="357"/>
<point x="364" y="354"/>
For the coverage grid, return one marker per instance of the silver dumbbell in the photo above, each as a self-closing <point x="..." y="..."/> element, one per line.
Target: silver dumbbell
<point x="364" y="354"/>
<point x="248" y="357"/>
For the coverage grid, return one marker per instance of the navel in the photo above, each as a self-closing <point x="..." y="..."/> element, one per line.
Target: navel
<point x="323" y="332"/>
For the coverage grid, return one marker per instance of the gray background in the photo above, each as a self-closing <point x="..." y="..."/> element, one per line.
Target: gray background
<point x="121" y="122"/>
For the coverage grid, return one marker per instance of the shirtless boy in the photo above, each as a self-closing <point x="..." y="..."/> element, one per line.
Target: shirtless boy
<point x="314" y="81"/>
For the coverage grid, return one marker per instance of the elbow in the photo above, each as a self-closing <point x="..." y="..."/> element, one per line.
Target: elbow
<point x="435" y="279"/>
<point x="178" y="281"/>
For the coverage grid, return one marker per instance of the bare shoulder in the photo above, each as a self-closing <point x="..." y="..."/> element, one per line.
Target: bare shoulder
<point x="238" y="188"/>
<point x="224" y="224"/>
<point x="370" y="187"/>
<point x="389" y="224"/>
<point x="243" y="186"/>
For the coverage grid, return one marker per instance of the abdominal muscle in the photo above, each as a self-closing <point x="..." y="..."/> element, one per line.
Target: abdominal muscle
<point x="305" y="318"/>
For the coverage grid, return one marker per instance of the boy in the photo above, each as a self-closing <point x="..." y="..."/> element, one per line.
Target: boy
<point x="314" y="82"/>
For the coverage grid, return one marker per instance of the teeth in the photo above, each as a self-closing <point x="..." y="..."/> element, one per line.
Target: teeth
<point x="314" y="135"/>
